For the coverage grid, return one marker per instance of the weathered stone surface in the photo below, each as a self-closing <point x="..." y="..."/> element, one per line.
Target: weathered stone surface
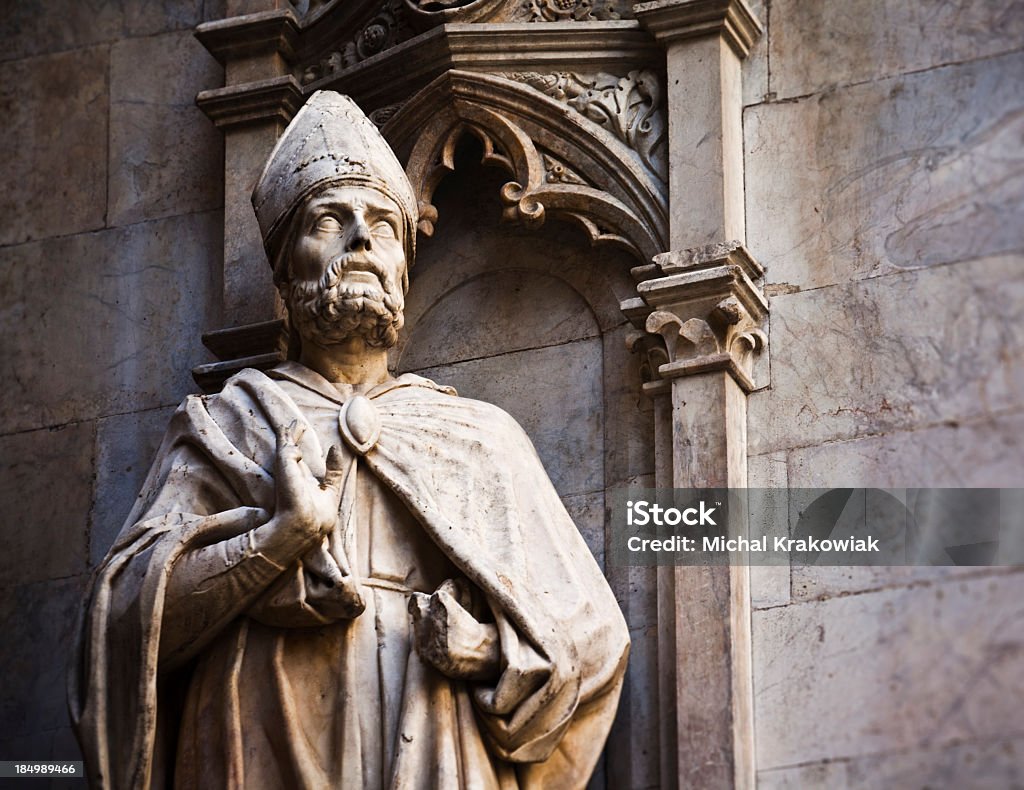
<point x="904" y="173"/>
<point x="555" y="394"/>
<point x="908" y="668"/>
<point x="935" y="345"/>
<point x="39" y="620"/>
<point x="769" y="584"/>
<point x="811" y="584"/>
<point x="146" y="17"/>
<point x="165" y="155"/>
<point x="55" y="116"/>
<point x="637" y="721"/>
<point x="821" y="44"/>
<point x="629" y="415"/>
<point x="985" y="453"/>
<point x="45" y="488"/>
<point x="705" y="180"/>
<point x="990" y="764"/>
<point x="125" y="447"/>
<point x="587" y="511"/>
<point x="637" y="592"/>
<point x="249" y="293"/>
<point x="533" y="310"/>
<point x="755" y="65"/>
<point x="636" y="588"/>
<point x="120" y="333"/>
<point x="54" y="25"/>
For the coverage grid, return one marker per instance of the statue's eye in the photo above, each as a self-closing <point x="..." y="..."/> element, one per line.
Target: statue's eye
<point x="328" y="224"/>
<point x="384" y="230"/>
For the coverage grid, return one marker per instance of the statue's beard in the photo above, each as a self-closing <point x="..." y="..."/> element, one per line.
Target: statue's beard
<point x="331" y="311"/>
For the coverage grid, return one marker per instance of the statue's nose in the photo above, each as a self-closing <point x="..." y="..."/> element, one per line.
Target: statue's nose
<point x="359" y="237"/>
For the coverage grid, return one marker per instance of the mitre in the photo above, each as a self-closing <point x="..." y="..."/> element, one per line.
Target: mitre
<point x="329" y="142"/>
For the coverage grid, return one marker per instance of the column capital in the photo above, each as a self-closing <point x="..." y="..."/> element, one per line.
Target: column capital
<point x="675" y="20"/>
<point x="707" y="307"/>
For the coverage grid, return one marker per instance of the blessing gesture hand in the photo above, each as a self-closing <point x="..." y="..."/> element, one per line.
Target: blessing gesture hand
<point x="306" y="507"/>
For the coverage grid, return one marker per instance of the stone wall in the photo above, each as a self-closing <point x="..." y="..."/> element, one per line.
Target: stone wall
<point x="110" y="245"/>
<point x="885" y="196"/>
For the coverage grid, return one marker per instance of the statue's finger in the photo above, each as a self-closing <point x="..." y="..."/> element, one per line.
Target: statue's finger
<point x="457" y="593"/>
<point x="290" y="470"/>
<point x="335" y="473"/>
<point x="296" y="430"/>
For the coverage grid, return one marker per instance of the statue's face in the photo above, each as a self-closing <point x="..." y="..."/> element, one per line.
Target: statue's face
<point x="346" y="267"/>
<point x="352" y="223"/>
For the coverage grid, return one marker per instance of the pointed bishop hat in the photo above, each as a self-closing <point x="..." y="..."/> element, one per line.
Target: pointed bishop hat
<point x="329" y="142"/>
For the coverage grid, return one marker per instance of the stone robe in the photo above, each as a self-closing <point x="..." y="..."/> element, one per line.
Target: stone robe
<point x="276" y="689"/>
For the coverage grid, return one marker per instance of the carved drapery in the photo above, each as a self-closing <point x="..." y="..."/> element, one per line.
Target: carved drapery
<point x="562" y="164"/>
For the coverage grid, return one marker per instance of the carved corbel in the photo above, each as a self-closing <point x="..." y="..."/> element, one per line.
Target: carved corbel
<point x="707" y="309"/>
<point x="653" y="354"/>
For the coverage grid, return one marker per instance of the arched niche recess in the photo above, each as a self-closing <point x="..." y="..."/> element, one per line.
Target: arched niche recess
<point x="524" y="311"/>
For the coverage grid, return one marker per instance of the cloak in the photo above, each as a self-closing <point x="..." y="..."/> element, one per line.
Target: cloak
<point x="470" y="477"/>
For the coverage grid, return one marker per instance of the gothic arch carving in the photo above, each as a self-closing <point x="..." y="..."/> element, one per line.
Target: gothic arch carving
<point x="561" y="163"/>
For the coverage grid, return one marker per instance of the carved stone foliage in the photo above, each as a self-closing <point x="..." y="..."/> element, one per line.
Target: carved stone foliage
<point x="426" y="13"/>
<point x="382" y="115"/>
<point x="382" y="31"/>
<point x="629" y="107"/>
<point x="576" y="10"/>
<point x="560" y="164"/>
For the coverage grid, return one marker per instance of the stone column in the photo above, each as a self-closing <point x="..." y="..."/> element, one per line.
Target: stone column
<point x="256" y="44"/>
<point x="704" y="300"/>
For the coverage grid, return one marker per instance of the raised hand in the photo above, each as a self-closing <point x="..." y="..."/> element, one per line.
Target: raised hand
<point x="306" y="507"/>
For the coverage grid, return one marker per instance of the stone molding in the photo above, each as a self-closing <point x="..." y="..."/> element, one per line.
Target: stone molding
<point x="274" y="99"/>
<point x="671" y="20"/>
<point x="332" y="47"/>
<point x="562" y="164"/>
<point x="392" y="75"/>
<point x="266" y="32"/>
<point x="709" y="311"/>
<point x="576" y="10"/>
<point x="259" y="346"/>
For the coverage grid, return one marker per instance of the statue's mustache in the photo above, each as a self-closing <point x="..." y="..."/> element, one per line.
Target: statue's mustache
<point x="352" y="262"/>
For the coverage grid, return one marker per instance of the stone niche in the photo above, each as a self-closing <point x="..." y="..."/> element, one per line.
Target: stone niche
<point x="530" y="320"/>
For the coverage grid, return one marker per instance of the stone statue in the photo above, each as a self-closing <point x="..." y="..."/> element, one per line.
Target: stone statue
<point x="338" y="578"/>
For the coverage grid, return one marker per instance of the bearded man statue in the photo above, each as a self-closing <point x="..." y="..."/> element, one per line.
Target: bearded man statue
<point x="334" y="577"/>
